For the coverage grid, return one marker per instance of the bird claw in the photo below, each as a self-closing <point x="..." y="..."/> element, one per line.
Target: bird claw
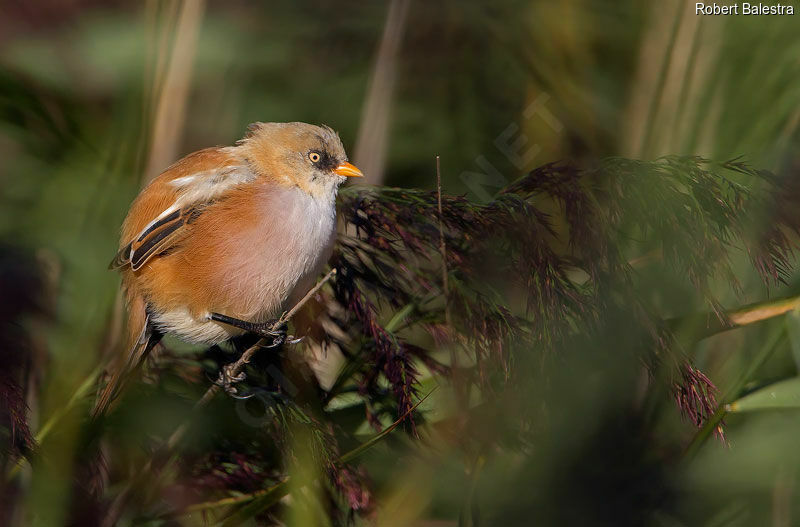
<point x="238" y="378"/>
<point x="226" y="381"/>
<point x="227" y="378"/>
<point x="279" y="340"/>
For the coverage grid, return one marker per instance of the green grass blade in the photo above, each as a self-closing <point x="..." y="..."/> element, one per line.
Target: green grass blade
<point x="782" y="394"/>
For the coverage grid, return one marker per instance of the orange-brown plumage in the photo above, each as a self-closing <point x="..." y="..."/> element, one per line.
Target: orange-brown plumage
<point x="158" y="195"/>
<point x="239" y="231"/>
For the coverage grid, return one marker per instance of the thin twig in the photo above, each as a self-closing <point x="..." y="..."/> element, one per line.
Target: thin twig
<point x="454" y="372"/>
<point x="236" y="368"/>
<point x="442" y="246"/>
<point x="443" y="253"/>
<point x="165" y="455"/>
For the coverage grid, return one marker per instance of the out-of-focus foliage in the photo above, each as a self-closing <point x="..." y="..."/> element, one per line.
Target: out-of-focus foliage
<point x="583" y="300"/>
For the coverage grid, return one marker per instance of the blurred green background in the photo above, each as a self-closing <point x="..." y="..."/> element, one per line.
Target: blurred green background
<point x="98" y="96"/>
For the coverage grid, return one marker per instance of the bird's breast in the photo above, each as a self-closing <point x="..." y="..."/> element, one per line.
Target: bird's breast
<point x="287" y="242"/>
<point x="250" y="256"/>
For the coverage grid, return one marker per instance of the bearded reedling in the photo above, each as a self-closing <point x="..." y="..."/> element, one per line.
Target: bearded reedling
<point x="227" y="238"/>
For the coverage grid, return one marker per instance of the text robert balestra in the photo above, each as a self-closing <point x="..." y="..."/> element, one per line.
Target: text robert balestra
<point x="743" y="9"/>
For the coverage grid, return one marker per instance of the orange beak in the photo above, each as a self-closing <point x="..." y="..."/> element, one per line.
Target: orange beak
<point x="347" y="169"/>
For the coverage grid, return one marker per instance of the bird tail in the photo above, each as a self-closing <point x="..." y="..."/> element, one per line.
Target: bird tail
<point x="142" y="338"/>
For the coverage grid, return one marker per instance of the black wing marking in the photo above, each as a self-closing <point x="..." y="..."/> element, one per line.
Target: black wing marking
<point x="171" y="217"/>
<point x="159" y="239"/>
<point x="155" y="239"/>
<point x="122" y="258"/>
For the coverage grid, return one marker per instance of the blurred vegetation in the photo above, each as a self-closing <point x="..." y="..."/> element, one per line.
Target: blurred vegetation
<point x="598" y="328"/>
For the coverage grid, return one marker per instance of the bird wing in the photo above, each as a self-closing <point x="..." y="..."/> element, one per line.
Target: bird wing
<point x="194" y="192"/>
<point x="161" y="234"/>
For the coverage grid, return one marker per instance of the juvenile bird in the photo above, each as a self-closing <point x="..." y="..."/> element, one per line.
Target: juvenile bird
<point x="227" y="238"/>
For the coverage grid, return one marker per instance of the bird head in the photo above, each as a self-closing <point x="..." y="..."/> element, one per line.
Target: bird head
<point x="301" y="155"/>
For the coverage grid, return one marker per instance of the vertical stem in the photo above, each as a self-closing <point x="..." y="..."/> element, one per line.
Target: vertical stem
<point x="174" y="94"/>
<point x="687" y="81"/>
<point x="655" y="102"/>
<point x="370" y="149"/>
<point x="442" y="245"/>
<point x="460" y="394"/>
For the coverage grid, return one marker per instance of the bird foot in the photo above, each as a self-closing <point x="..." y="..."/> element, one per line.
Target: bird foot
<point x="272" y="329"/>
<point x="227" y="379"/>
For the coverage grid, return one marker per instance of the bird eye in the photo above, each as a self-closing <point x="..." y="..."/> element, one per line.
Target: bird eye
<point x="314" y="157"/>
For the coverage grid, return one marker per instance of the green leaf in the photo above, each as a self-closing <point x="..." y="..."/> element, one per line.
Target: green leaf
<point x="793" y="329"/>
<point x="783" y="394"/>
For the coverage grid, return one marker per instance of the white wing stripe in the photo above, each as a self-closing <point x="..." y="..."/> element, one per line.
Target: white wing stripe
<point x="202" y="187"/>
